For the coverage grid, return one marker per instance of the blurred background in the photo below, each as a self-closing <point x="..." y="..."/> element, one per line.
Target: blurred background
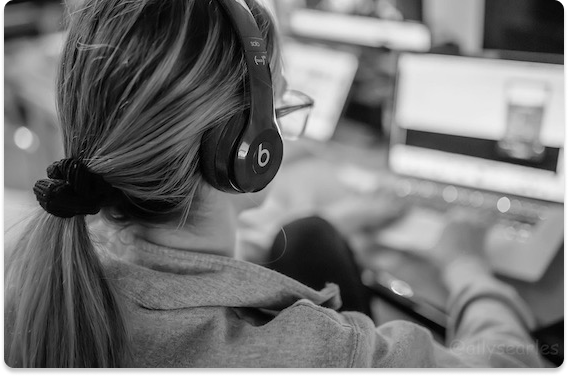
<point x="435" y="102"/>
<point x="371" y="33"/>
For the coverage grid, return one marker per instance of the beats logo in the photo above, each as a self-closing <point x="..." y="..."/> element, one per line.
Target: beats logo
<point x="262" y="157"/>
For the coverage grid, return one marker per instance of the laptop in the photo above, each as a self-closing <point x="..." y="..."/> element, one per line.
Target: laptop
<point x="488" y="135"/>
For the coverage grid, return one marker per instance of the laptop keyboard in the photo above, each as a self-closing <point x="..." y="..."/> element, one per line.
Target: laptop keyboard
<point x="520" y="243"/>
<point x="515" y="217"/>
<point x="443" y="197"/>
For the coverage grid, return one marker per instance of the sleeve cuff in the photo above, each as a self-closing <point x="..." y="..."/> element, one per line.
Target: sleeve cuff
<point x="469" y="280"/>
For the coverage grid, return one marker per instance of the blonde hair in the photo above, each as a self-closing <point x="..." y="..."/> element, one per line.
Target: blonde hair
<point x="139" y="83"/>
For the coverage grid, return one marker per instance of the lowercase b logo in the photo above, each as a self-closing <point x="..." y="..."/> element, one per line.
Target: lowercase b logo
<point x="263" y="156"/>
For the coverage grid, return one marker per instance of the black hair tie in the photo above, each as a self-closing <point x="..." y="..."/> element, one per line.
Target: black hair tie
<point x="72" y="189"/>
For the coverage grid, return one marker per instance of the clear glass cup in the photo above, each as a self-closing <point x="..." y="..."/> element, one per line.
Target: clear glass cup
<point x="526" y="103"/>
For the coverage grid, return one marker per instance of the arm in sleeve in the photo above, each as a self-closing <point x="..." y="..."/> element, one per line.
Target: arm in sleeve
<point x="489" y="323"/>
<point x="488" y="328"/>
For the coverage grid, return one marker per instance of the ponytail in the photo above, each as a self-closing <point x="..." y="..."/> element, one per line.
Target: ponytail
<point x="133" y="103"/>
<point x="60" y="310"/>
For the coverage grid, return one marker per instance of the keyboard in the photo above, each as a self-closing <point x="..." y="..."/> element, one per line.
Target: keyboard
<point x="520" y="244"/>
<point x="443" y="197"/>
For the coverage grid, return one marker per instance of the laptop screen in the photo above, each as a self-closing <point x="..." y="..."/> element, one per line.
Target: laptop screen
<point x="495" y="125"/>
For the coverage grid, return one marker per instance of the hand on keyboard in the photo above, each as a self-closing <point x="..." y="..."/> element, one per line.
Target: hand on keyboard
<point x="464" y="235"/>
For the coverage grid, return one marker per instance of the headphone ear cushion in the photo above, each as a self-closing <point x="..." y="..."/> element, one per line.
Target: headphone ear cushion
<point x="217" y="152"/>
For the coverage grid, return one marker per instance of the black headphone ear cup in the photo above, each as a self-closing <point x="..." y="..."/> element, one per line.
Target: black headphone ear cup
<point x="259" y="160"/>
<point x="217" y="152"/>
<point x="245" y="154"/>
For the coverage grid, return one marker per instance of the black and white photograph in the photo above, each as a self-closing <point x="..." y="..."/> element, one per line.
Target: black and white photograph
<point x="284" y="184"/>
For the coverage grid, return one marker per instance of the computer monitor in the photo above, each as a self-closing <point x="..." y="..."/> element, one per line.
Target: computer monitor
<point x="326" y="75"/>
<point x="530" y="30"/>
<point x="524" y="25"/>
<point x="496" y="125"/>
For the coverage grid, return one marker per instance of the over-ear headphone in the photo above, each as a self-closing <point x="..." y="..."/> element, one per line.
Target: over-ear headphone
<point x="245" y="154"/>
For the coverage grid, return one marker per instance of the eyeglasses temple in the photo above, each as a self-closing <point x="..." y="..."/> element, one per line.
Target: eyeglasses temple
<point x="289" y="109"/>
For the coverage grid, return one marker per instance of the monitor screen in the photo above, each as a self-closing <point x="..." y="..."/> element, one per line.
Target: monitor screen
<point x="307" y="68"/>
<point x="524" y="25"/>
<point x="491" y="124"/>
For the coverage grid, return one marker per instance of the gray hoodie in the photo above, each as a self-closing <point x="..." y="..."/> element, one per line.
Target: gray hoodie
<point x="189" y="309"/>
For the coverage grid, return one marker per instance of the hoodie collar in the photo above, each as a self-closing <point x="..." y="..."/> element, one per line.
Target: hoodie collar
<point x="158" y="277"/>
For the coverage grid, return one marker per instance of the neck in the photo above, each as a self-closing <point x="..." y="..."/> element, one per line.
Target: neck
<point x="214" y="231"/>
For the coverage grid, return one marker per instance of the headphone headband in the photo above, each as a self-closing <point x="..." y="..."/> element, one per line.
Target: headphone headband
<point x="245" y="154"/>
